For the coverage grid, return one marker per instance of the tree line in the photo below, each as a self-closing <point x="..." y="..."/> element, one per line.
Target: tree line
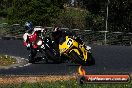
<point x="84" y="14"/>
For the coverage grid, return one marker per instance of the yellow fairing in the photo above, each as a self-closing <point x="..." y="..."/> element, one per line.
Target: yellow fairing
<point x="85" y="52"/>
<point x="66" y="47"/>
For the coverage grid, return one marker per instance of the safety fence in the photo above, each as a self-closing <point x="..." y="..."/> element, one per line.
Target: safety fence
<point x="111" y="38"/>
<point x="13" y="32"/>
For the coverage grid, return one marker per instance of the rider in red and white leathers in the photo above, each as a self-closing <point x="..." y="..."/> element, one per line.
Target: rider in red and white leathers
<point x="30" y="37"/>
<point x="31" y="33"/>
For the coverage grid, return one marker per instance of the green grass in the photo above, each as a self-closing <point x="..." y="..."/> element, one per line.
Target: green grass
<point x="66" y="84"/>
<point x="6" y="60"/>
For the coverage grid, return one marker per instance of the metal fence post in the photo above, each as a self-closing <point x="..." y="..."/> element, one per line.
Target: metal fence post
<point x="106" y="22"/>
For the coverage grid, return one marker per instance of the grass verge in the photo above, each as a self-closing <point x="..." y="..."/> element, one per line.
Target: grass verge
<point x="67" y="81"/>
<point x="6" y="60"/>
<point x="65" y="84"/>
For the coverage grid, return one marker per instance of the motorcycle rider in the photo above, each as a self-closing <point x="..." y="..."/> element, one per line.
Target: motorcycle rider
<point x="29" y="29"/>
<point x="30" y="32"/>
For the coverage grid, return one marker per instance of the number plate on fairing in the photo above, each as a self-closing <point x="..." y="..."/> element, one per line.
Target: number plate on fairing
<point x="69" y="42"/>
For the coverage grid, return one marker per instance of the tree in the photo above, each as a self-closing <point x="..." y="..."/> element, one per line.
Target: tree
<point x="58" y="3"/>
<point x="40" y="12"/>
<point x="120" y="18"/>
<point x="120" y="13"/>
<point x="4" y="5"/>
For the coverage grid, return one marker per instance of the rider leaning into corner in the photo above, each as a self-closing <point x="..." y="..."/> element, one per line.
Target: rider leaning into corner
<point x="58" y="34"/>
<point x="30" y="30"/>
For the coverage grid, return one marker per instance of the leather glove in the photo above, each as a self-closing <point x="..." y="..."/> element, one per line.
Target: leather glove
<point x="28" y="46"/>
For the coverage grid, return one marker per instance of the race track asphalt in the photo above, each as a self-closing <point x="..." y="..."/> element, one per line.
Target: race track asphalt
<point x="109" y="59"/>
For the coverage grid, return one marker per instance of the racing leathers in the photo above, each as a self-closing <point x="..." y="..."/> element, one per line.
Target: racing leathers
<point x="34" y="33"/>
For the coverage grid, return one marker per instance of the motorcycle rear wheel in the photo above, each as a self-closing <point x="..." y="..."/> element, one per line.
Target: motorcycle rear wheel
<point x="76" y="58"/>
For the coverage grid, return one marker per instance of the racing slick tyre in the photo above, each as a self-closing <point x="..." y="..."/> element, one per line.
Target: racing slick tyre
<point x="32" y="56"/>
<point x="90" y="60"/>
<point x="78" y="59"/>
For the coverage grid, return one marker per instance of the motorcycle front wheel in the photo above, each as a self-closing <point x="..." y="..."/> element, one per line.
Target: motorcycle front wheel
<point x="32" y="56"/>
<point x="78" y="59"/>
<point x="90" y="60"/>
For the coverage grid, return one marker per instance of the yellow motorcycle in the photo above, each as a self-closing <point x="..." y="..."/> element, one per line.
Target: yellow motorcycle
<point x="78" y="53"/>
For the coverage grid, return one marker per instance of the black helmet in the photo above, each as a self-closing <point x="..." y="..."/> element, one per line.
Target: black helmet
<point x="56" y="33"/>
